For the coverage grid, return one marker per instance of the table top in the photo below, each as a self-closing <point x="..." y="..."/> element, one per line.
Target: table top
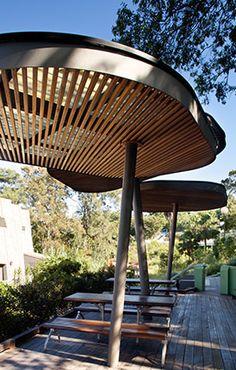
<point x="151" y="281"/>
<point x="138" y="300"/>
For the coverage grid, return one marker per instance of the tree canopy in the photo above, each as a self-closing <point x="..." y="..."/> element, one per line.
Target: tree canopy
<point x="197" y="228"/>
<point x="93" y="233"/>
<point x="46" y="199"/>
<point x="194" y="36"/>
<point x="230" y="183"/>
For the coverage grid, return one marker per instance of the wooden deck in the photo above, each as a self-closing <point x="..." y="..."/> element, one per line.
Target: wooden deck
<point x="203" y="336"/>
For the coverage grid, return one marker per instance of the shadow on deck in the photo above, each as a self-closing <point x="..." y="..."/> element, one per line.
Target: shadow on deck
<point x="202" y="336"/>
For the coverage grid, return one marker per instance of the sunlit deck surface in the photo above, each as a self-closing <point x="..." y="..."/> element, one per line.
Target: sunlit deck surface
<point x="203" y="336"/>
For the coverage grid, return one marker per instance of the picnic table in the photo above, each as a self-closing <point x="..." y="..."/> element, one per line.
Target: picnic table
<point x="149" y="331"/>
<point x="154" y="282"/>
<point x="139" y="301"/>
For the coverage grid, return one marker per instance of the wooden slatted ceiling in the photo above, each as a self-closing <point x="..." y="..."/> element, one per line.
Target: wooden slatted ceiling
<point x="78" y="120"/>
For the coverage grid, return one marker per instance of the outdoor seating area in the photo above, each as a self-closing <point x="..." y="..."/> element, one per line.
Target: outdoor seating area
<point x="202" y="335"/>
<point x="102" y="117"/>
<point x="142" y="307"/>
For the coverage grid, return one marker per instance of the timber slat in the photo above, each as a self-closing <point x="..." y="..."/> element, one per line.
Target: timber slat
<point x="78" y="120"/>
<point x="131" y="330"/>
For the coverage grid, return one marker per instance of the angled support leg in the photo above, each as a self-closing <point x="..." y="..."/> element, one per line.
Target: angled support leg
<point x="163" y="353"/>
<point x="49" y="336"/>
<point x="79" y="314"/>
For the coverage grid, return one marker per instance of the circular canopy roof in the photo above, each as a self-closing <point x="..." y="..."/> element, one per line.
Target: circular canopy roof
<point x="70" y="103"/>
<point x="159" y="196"/>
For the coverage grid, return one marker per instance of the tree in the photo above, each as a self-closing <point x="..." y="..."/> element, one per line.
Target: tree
<point x="154" y="224"/>
<point x="195" y="36"/>
<point x="230" y="183"/>
<point x="100" y="224"/>
<point x="46" y="198"/>
<point x="229" y="214"/>
<point x="92" y="232"/>
<point x="197" y="227"/>
<point x="12" y="186"/>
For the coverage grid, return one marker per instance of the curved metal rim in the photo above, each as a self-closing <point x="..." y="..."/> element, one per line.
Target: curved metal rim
<point x="95" y="43"/>
<point x="187" y="96"/>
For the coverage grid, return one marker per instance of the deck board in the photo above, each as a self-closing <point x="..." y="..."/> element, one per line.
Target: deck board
<point x="202" y="336"/>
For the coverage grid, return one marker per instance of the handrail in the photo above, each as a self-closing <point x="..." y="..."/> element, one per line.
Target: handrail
<point x="180" y="274"/>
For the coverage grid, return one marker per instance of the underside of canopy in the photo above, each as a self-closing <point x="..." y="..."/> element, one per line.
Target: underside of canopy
<point x="86" y="183"/>
<point x="160" y="195"/>
<point x="69" y="103"/>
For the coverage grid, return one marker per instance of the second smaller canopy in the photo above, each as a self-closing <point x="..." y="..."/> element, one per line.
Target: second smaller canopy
<point x="159" y="196"/>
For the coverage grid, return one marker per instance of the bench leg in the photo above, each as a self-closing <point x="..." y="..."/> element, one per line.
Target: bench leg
<point x="49" y="336"/>
<point x="58" y="335"/>
<point x="168" y="321"/>
<point x="163" y="353"/>
<point x="79" y="314"/>
<point x="101" y="308"/>
<point x="152" y="292"/>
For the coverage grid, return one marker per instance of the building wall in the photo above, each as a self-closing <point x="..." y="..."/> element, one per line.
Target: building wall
<point x="15" y="239"/>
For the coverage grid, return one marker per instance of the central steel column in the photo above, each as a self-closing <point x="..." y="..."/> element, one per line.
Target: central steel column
<point x="140" y="239"/>
<point x="172" y="239"/>
<point x="122" y="255"/>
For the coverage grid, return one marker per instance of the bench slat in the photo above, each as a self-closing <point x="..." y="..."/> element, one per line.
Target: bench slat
<point x="145" y="331"/>
<point x="130" y="330"/>
<point x="154" y="311"/>
<point x="60" y="322"/>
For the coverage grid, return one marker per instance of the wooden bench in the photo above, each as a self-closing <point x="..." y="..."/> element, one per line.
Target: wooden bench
<point x="164" y="312"/>
<point x="161" y="290"/>
<point x="130" y="330"/>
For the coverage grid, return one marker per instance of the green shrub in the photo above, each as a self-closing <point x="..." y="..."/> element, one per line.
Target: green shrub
<point x="11" y="316"/>
<point x="24" y="306"/>
<point x="232" y="261"/>
<point x="213" y="269"/>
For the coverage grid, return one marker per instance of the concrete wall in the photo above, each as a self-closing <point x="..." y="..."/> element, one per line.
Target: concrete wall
<point x="15" y="239"/>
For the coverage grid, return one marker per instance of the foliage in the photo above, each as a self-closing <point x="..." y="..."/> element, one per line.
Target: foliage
<point x="158" y="257"/>
<point x="153" y="224"/>
<point x="23" y="306"/>
<point x="198" y="227"/>
<point x="212" y="263"/>
<point x="226" y="247"/>
<point x="198" y="37"/>
<point x="52" y="228"/>
<point x="213" y="268"/>
<point x="230" y="183"/>
<point x="232" y="261"/>
<point x="100" y="225"/>
<point x="12" y="186"/>
<point x="11" y="317"/>
<point x="219" y="225"/>
<point x="230" y="216"/>
<point x="46" y="199"/>
<point x="226" y="244"/>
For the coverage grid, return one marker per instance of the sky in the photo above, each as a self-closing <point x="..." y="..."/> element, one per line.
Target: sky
<point x="95" y="18"/>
